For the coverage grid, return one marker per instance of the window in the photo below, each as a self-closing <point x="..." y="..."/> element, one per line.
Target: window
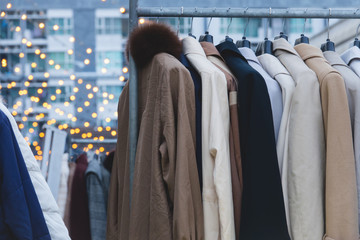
<point x="63" y="59"/>
<point x="65" y="26"/>
<point x="109" y="60"/>
<point x="40" y="63"/>
<point x="297" y="25"/>
<point x="109" y="93"/>
<point x="108" y="26"/>
<point x="33" y="26"/>
<point x="61" y="97"/>
<point x="237" y="26"/>
<point x="8" y="28"/>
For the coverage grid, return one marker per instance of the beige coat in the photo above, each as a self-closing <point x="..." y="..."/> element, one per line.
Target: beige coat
<point x="340" y="193"/>
<point x="166" y="200"/>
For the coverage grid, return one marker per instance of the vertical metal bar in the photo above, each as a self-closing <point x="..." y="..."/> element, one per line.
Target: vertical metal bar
<point x="133" y="99"/>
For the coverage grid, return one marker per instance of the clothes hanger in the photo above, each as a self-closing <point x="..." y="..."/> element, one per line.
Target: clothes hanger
<point x="282" y="34"/>
<point x="227" y="38"/>
<point x="191" y="27"/>
<point x="328" y="45"/>
<point x="244" y="42"/>
<point x="207" y="37"/>
<point x="178" y="27"/>
<point x="266" y="46"/>
<point x="356" y="41"/>
<point x="302" y="38"/>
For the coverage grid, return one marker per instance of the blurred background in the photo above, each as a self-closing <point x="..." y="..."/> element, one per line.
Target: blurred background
<point x="63" y="62"/>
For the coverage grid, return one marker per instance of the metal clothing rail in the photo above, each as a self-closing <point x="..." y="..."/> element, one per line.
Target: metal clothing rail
<point x="249" y="12"/>
<point x="135" y="12"/>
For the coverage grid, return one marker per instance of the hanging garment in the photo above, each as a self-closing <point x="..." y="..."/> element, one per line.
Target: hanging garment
<point x="97" y="184"/>
<point x="21" y="216"/>
<point x="47" y="202"/>
<point x="79" y="207"/>
<point x="63" y="188"/>
<point x="166" y="197"/>
<point x="341" y="216"/>
<point x="72" y="167"/>
<point x="260" y="218"/>
<point x="352" y="58"/>
<point x="352" y="84"/>
<point x="197" y="84"/>
<point x="214" y="56"/>
<point x="305" y="154"/>
<point x="278" y="72"/>
<point x="217" y="189"/>
<point x="272" y="86"/>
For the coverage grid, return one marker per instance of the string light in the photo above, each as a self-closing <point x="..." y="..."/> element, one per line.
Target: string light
<point x="30" y="77"/>
<point x="56" y="27"/>
<point x="43" y="56"/>
<point x="113" y="133"/>
<point x="70" y="51"/>
<point x="51" y="62"/>
<point x="95" y="89"/>
<point x="141" y="21"/>
<point x="57" y="66"/>
<point x="23" y="17"/>
<point x="88" y="50"/>
<point x="90" y="95"/>
<point x="103" y="70"/>
<point x="18" y="29"/>
<point x="34" y="65"/>
<point x="106" y="61"/>
<point x="21" y="55"/>
<point x="99" y="129"/>
<point x="44" y="84"/>
<point x="66" y="104"/>
<point x="72" y="77"/>
<point x="101" y="109"/>
<point x="28" y="44"/>
<point x="79" y="109"/>
<point x="46" y="74"/>
<point x="108" y="128"/>
<point x="58" y="91"/>
<point x="87" y="61"/>
<point x="74" y="146"/>
<point x="80" y="81"/>
<point x="41" y="25"/>
<point x="41" y="134"/>
<point x="108" y="119"/>
<point x="8" y="6"/>
<point x="2" y="14"/>
<point x="86" y="124"/>
<point x="72" y="39"/>
<point x="72" y="98"/>
<point x="122" y="10"/>
<point x="89" y="134"/>
<point x="37" y="51"/>
<point x="76" y="89"/>
<point x="24" y="41"/>
<point x="94" y="115"/>
<point x="86" y="103"/>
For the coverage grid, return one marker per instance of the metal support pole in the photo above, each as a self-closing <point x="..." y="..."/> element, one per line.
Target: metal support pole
<point x="248" y="12"/>
<point x="133" y="99"/>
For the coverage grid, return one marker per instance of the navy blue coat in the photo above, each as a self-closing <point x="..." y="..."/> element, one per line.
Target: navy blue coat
<point x="198" y="105"/>
<point x="263" y="211"/>
<point x="21" y="216"/>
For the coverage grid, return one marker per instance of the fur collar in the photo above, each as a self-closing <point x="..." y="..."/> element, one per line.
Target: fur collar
<point x="149" y="39"/>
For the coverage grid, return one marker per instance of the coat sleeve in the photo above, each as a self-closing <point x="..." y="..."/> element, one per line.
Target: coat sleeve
<point x="20" y="207"/>
<point x="178" y="155"/>
<point x="97" y="207"/>
<point x="219" y="150"/>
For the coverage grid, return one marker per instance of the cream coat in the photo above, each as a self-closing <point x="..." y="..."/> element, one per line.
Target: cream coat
<point x="305" y="153"/>
<point x="217" y="188"/>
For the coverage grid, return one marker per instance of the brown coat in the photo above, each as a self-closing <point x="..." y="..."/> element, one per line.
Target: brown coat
<point x="166" y="201"/>
<point x="341" y="218"/>
<point x="234" y="138"/>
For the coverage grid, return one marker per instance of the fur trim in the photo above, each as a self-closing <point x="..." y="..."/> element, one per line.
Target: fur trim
<point x="149" y="39"/>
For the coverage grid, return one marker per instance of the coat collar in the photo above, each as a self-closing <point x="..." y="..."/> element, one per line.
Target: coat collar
<point x="334" y="58"/>
<point x="229" y="47"/>
<point x="351" y="54"/>
<point x="191" y="46"/>
<point x="282" y="44"/>
<point x="249" y="55"/>
<point x="307" y="51"/>
<point x="210" y="50"/>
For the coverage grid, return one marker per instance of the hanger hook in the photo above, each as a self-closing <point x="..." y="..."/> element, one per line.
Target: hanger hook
<point x="304" y="28"/>
<point x="191" y="24"/>
<point x="208" y="27"/>
<point x="157" y="20"/>
<point x="246" y="25"/>
<point x="283" y="30"/>
<point x="227" y="31"/>
<point x="328" y="27"/>
<point x="178" y="27"/>
<point x="357" y="31"/>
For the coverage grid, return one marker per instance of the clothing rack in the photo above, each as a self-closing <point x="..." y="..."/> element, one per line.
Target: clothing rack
<point x="135" y="12"/>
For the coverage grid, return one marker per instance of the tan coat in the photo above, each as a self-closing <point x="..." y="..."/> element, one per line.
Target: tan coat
<point x="341" y="218"/>
<point x="166" y="201"/>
